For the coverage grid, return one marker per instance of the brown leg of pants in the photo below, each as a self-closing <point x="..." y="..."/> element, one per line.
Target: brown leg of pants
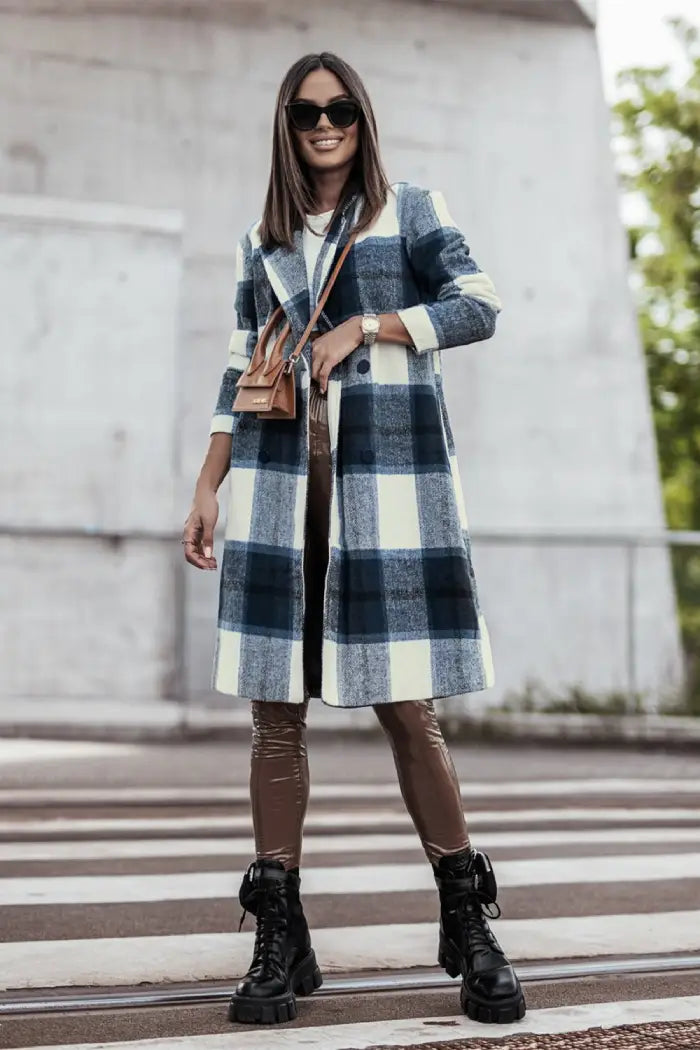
<point x="279" y="774"/>
<point x="279" y="779"/>
<point x="427" y="776"/>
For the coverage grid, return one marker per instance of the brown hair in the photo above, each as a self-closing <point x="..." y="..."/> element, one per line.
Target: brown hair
<point x="290" y="191"/>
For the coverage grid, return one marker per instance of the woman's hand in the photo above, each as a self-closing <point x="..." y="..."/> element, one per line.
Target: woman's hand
<point x="329" y="349"/>
<point x="198" y="534"/>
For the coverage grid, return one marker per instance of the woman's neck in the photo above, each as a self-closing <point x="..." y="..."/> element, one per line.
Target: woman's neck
<point x="328" y="187"/>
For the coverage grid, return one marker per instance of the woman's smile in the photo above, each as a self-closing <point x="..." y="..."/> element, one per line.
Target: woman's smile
<point x="326" y="144"/>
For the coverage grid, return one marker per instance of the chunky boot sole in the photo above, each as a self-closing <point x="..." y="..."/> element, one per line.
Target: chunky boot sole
<point x="494" y="1011"/>
<point x="245" y="1010"/>
<point x="304" y="979"/>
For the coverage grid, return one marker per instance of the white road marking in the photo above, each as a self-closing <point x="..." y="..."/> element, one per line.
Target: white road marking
<point x="396" y="946"/>
<point x="348" y="819"/>
<point x="125" y="849"/>
<point x="417" y="1030"/>
<point x="361" y="878"/>
<point x="345" y="792"/>
<point x="19" y="749"/>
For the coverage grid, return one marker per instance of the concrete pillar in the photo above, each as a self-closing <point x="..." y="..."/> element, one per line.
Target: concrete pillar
<point x="89" y="429"/>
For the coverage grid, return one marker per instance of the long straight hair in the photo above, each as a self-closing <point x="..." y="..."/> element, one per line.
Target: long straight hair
<point x="290" y="191"/>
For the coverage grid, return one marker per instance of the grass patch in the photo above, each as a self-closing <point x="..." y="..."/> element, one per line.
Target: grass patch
<point x="575" y="699"/>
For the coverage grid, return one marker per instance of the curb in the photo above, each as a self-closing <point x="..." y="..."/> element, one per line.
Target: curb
<point x="671" y="732"/>
<point x="167" y="722"/>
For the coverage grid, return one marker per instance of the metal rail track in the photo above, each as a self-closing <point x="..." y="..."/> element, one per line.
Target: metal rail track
<point x="333" y="986"/>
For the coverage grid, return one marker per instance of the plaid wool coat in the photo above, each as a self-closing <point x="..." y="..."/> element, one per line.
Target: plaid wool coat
<point x="402" y="619"/>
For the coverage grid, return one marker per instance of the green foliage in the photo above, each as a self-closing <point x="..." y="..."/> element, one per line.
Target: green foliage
<point x="573" y="699"/>
<point x="656" y="125"/>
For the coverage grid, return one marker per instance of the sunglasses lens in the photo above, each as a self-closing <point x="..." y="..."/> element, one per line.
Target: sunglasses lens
<point x="304" y="115"/>
<point x="343" y="113"/>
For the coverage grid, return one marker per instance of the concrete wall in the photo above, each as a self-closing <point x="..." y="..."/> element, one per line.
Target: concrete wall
<point x="90" y="298"/>
<point x="504" y="114"/>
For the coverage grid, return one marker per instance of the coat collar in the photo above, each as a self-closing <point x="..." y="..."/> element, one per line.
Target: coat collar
<point x="286" y="269"/>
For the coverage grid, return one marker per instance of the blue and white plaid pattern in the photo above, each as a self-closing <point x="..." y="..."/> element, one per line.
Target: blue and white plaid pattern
<point x="402" y="619"/>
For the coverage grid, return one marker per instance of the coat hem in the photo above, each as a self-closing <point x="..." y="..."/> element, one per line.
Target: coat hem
<point x="351" y="707"/>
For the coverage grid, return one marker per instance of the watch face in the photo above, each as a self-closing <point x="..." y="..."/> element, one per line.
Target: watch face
<point x="370" y="324"/>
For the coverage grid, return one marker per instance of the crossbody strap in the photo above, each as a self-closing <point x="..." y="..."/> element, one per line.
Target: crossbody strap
<point x="324" y="296"/>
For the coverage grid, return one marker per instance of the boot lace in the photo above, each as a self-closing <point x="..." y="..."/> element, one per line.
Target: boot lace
<point x="271" y="919"/>
<point x="476" y="907"/>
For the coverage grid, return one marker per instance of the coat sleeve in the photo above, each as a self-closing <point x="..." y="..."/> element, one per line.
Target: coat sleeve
<point x="460" y="302"/>
<point x="242" y="342"/>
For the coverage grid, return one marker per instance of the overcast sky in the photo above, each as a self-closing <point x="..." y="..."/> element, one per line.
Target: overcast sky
<point x="632" y="32"/>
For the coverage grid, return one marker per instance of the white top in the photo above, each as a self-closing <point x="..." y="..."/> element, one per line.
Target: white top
<point x="313" y="241"/>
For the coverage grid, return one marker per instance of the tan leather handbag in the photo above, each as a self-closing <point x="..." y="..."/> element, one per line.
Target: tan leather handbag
<point x="267" y="385"/>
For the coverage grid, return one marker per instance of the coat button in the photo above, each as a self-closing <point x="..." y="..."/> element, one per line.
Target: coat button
<point x="367" y="455"/>
<point x="363" y="365"/>
<point x="264" y="456"/>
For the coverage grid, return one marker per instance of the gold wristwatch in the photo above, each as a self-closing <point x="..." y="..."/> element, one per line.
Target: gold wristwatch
<point x="370" y="328"/>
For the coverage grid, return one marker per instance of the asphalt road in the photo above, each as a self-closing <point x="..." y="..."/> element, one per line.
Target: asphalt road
<point x="120" y="866"/>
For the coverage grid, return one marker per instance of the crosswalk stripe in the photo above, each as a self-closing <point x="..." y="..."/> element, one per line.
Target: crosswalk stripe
<point x="334" y="792"/>
<point x="121" y="849"/>
<point x="424" y="1030"/>
<point x="221" y="956"/>
<point x="350" y="819"/>
<point x="14" y="750"/>
<point x="353" y="879"/>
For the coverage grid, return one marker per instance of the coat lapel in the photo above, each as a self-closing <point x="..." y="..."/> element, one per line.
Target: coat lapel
<point x="336" y="239"/>
<point x="286" y="270"/>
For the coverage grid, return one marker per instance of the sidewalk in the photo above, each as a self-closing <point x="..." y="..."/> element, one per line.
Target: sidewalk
<point x="163" y="720"/>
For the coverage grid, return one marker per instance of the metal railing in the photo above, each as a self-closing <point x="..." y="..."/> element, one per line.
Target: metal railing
<point x="624" y="539"/>
<point x="629" y="541"/>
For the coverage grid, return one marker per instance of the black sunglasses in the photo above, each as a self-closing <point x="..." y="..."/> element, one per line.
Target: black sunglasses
<point x="342" y="113"/>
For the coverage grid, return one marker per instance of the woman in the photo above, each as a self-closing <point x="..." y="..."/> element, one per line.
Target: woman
<point x="346" y="570"/>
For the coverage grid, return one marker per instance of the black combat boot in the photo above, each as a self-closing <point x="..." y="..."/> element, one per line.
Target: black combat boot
<point x="490" y="991"/>
<point x="284" y="962"/>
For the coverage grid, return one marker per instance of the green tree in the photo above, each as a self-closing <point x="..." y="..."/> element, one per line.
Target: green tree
<point x="656" y="126"/>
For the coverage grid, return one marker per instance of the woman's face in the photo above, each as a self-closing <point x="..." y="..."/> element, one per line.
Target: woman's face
<point x="325" y="148"/>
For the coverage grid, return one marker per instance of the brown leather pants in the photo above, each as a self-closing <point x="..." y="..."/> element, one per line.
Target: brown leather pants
<point x="279" y="771"/>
